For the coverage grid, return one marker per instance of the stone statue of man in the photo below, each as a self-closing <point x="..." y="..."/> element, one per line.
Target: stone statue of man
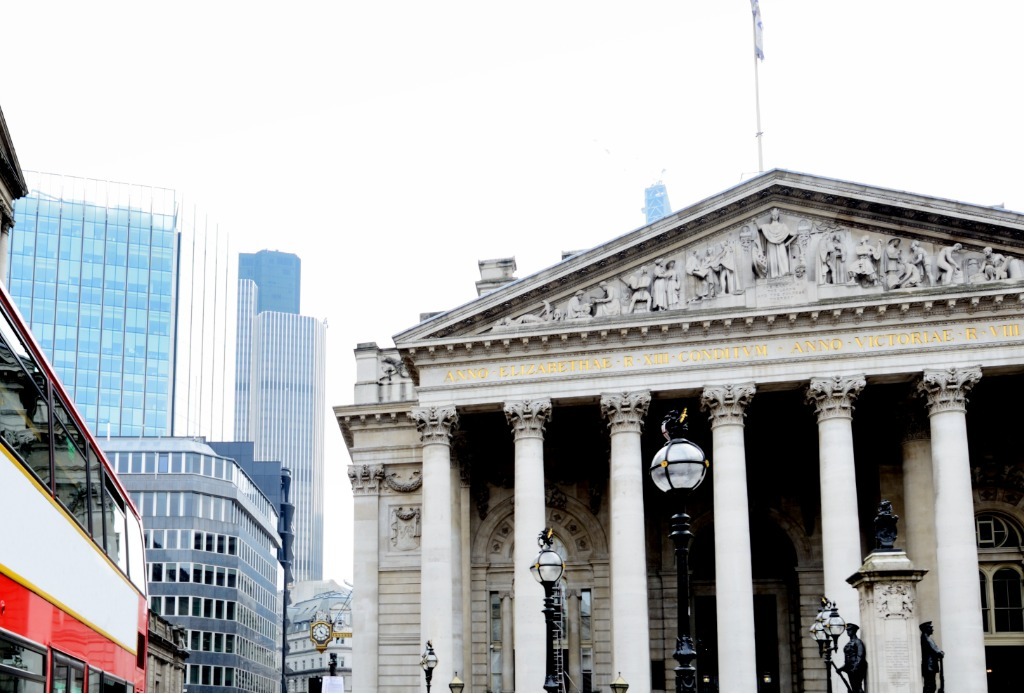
<point x="931" y="657"/>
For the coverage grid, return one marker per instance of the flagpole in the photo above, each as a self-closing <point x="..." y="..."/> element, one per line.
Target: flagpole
<point x="757" y="103"/>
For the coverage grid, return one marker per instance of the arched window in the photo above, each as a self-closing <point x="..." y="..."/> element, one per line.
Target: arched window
<point x="1001" y="578"/>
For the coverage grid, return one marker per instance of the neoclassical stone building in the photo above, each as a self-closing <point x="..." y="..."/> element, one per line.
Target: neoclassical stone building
<point x="835" y="344"/>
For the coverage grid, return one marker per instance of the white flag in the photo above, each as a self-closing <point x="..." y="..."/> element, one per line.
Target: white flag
<point x="758" y="30"/>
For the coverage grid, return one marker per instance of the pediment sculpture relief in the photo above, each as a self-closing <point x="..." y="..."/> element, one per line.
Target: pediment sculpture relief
<point x="777" y="259"/>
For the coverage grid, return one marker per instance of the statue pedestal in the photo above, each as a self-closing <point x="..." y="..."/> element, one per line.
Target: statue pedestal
<point x="887" y="588"/>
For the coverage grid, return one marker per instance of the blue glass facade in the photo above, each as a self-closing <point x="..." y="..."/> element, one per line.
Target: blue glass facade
<point x="92" y="268"/>
<point x="277" y="274"/>
<point x="656" y="205"/>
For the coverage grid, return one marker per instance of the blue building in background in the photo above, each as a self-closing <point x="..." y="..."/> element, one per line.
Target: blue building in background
<point x="132" y="301"/>
<point x="279" y="277"/>
<point x="280" y="399"/>
<point x="92" y="268"/>
<point x="656" y="205"/>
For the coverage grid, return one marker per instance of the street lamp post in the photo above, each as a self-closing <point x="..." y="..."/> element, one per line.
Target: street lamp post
<point x="828" y="626"/>
<point x="679" y="468"/>
<point x="547" y="569"/>
<point x="428" y="662"/>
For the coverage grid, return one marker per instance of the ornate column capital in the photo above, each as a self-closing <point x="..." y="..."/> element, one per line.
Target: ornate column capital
<point x="625" y="412"/>
<point x="528" y="417"/>
<point x="366" y="479"/>
<point x="833" y="397"/>
<point x="727" y="403"/>
<point x="435" y="424"/>
<point x="6" y="217"/>
<point x="946" y="389"/>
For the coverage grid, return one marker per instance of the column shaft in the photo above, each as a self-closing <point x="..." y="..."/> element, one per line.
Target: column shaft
<point x="527" y="419"/>
<point x="437" y="622"/>
<point x="631" y="650"/>
<point x="956" y="546"/>
<point x="366" y="525"/>
<point x="573" y="621"/>
<point x="734" y="584"/>
<point x="840" y="526"/>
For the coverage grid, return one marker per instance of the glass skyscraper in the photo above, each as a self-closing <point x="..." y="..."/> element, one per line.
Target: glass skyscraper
<point x="92" y="271"/>
<point x="280" y="395"/>
<point x="277" y="274"/>
<point x="133" y="302"/>
<point x="656" y="205"/>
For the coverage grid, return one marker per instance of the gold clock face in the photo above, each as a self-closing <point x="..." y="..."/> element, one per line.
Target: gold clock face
<point x="320" y="632"/>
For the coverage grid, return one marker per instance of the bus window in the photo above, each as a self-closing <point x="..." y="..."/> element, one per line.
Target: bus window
<point x="22" y="668"/>
<point x="68" y="674"/>
<point x="96" y="497"/>
<point x="69" y="465"/>
<point x="24" y="416"/>
<point x="136" y="554"/>
<point x="114" y="526"/>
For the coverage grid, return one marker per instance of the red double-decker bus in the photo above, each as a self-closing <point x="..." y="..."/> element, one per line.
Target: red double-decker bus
<point x="73" y="609"/>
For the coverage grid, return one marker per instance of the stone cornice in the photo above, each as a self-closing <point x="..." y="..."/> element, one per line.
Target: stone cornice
<point x="833" y="397"/>
<point x="625" y="412"/>
<point x="946" y="389"/>
<point x="435" y="424"/>
<point x="528" y="417"/>
<point x="727" y="403"/>
<point x="353" y="418"/>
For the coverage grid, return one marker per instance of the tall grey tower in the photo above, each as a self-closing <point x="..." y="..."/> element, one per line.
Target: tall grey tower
<point x="656" y="205"/>
<point x="280" y="391"/>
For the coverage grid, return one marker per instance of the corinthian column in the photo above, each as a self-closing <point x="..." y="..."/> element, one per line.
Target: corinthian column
<point x="733" y="575"/>
<point x="956" y="550"/>
<point x="840" y="528"/>
<point x="631" y="651"/>
<point x="527" y="419"/>
<point x="435" y="425"/>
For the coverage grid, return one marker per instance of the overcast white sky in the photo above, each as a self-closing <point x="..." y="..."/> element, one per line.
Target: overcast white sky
<point x="393" y="144"/>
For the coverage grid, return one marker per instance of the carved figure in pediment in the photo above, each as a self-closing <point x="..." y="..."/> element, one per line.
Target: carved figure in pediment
<point x="607" y="305"/>
<point x="948" y="268"/>
<point x="996" y="266"/>
<point x="918" y="257"/>
<point x="546" y="315"/>
<point x="641" y="287"/>
<point x="864" y="269"/>
<point x="665" y="291"/>
<point x="725" y="269"/>
<point x="832" y="259"/>
<point x="772" y="257"/>
<point x="578" y="308"/>
<point x="894" y="267"/>
<point x="700" y="267"/>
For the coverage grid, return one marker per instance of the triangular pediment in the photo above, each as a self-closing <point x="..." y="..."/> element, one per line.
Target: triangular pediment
<point x="777" y="243"/>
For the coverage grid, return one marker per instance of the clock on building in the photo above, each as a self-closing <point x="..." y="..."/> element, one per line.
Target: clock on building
<point x="320" y="633"/>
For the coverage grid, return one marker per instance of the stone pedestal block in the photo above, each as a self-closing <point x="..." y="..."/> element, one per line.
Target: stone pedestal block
<point x="886" y="585"/>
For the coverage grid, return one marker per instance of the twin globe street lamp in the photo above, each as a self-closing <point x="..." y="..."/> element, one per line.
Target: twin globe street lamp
<point x="679" y="468"/>
<point x="828" y="625"/>
<point x="428" y="661"/>
<point x="547" y="569"/>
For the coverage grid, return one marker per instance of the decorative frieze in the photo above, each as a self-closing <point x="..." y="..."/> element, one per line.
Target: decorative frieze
<point x="728" y="403"/>
<point x="833" y="397"/>
<point x="435" y="424"/>
<point x="528" y="417"/>
<point x="894" y="600"/>
<point x="625" y="412"/>
<point x="946" y="389"/>
<point x="391" y="480"/>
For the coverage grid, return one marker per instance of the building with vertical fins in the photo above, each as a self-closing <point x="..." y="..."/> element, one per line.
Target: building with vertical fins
<point x="133" y="301"/>
<point x="280" y="391"/>
<point x="656" y="204"/>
